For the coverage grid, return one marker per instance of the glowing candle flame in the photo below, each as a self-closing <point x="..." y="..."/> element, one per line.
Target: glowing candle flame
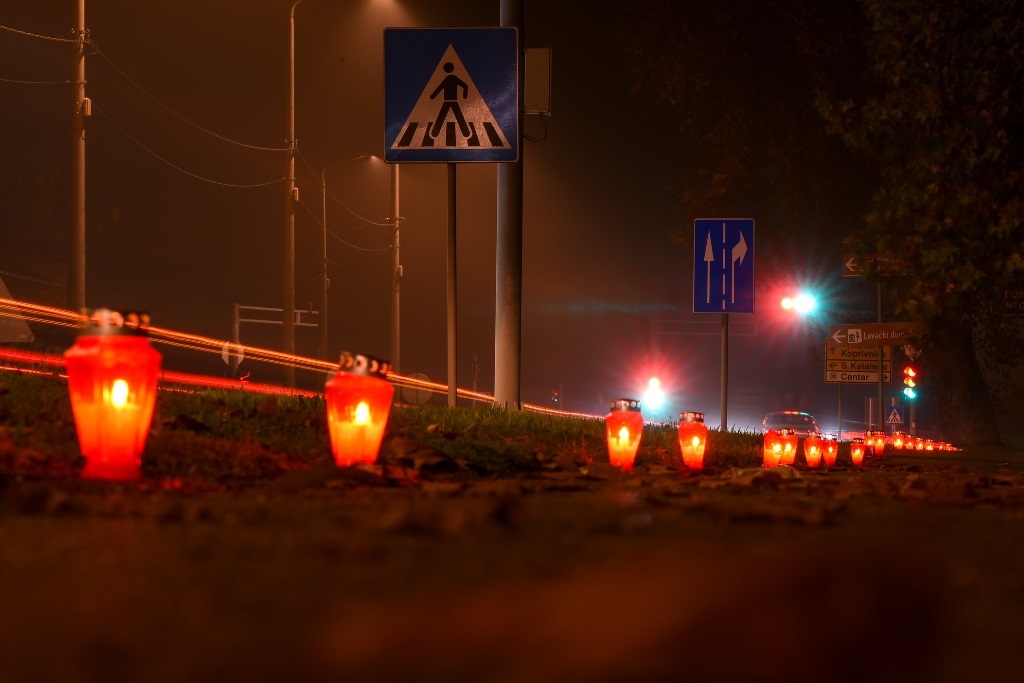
<point x="362" y="413"/>
<point x="119" y="393"/>
<point x="624" y="436"/>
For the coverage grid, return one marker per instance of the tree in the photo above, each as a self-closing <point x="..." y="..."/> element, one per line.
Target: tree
<point x="741" y="76"/>
<point x="944" y="122"/>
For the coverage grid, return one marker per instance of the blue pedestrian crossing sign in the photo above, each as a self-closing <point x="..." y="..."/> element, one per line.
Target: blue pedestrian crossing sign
<point x="451" y="95"/>
<point x="894" y="417"/>
<point x="723" y="265"/>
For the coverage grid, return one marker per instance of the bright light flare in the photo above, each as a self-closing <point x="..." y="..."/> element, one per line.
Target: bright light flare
<point x="654" y="395"/>
<point x="802" y="303"/>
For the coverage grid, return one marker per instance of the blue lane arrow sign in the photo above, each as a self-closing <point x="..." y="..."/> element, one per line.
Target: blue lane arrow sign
<point x="723" y="276"/>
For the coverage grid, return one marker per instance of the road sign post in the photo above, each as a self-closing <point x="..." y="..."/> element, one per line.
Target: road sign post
<point x="453" y="95"/>
<point x="723" y="278"/>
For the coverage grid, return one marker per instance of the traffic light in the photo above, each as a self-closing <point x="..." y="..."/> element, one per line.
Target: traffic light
<point x="803" y="303"/>
<point x="554" y="397"/>
<point x="910" y="382"/>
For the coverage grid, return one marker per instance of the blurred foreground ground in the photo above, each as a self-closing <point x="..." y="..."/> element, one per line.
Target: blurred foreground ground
<point x="905" y="569"/>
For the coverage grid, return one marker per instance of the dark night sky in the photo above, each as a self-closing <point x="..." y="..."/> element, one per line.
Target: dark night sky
<point x="606" y="298"/>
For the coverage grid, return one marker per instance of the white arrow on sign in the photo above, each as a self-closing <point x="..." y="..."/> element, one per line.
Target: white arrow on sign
<point x="839" y="337"/>
<point x="709" y="258"/>
<point x="738" y="252"/>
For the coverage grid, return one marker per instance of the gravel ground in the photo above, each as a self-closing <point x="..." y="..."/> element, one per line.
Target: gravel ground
<point x="904" y="569"/>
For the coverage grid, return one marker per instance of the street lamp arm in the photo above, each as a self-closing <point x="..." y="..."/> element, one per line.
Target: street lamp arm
<point x="323" y="172"/>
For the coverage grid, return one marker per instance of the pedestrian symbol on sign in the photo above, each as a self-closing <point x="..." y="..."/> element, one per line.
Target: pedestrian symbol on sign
<point x="450" y="113"/>
<point x="895" y="417"/>
<point x="450" y="87"/>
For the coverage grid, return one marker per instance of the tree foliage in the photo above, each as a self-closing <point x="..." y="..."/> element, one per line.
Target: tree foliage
<point x="741" y="76"/>
<point x="943" y="122"/>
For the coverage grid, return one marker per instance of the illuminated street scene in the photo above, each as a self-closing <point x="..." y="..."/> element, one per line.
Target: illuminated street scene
<point x="503" y="341"/>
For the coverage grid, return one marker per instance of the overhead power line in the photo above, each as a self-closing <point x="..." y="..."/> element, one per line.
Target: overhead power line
<point x="179" y="168"/>
<point x="364" y="219"/>
<point x="176" y="114"/>
<point x="136" y="84"/>
<point x="340" y="239"/>
<point x="13" y="80"/>
<point x="36" y="35"/>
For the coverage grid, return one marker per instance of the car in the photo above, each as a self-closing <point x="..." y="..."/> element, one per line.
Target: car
<point x="802" y="423"/>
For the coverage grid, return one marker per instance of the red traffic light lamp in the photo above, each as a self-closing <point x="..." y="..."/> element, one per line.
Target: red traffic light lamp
<point x="910" y="382"/>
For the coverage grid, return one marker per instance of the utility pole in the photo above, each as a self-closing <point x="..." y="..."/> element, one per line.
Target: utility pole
<point x="508" y="309"/>
<point x="80" y="111"/>
<point x="289" y="210"/>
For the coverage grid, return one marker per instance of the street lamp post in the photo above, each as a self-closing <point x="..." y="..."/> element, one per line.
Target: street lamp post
<point x="76" y="293"/>
<point x="396" y="264"/>
<point x="289" y="210"/>
<point x="324" y="280"/>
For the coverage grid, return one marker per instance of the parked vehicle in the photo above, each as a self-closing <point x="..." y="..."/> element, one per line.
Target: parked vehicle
<point x="802" y="423"/>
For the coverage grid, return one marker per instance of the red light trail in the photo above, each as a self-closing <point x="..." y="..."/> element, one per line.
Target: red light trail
<point x="29" y="361"/>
